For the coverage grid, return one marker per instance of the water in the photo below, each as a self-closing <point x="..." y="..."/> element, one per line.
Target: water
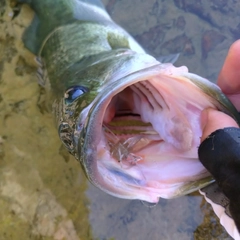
<point x="43" y="192"/>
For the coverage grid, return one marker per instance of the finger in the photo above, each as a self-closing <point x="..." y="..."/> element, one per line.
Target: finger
<point x="229" y="77"/>
<point x="211" y="120"/>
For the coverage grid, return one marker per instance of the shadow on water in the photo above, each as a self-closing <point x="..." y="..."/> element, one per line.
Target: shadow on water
<point x="43" y="193"/>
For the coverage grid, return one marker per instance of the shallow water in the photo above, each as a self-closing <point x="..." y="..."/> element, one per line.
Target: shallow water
<point x="43" y="192"/>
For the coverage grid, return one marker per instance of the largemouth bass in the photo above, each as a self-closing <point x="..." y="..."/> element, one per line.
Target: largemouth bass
<point x="132" y="121"/>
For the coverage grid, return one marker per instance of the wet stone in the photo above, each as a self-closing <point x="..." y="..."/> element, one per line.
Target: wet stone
<point x="155" y="9"/>
<point x="152" y="38"/>
<point x="220" y="5"/>
<point x="23" y="68"/>
<point x="41" y="102"/>
<point x="180" y="23"/>
<point x="7" y="48"/>
<point x="194" y="6"/>
<point x="210" y="40"/>
<point x="19" y="106"/>
<point x="2" y="7"/>
<point x="215" y="12"/>
<point x="181" y="44"/>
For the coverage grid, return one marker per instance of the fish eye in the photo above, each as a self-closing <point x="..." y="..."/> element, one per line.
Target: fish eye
<point x="74" y="92"/>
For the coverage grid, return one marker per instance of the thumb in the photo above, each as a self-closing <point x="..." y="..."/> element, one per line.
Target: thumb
<point x="212" y="119"/>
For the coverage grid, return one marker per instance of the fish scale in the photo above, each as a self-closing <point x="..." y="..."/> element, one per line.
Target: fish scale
<point x="62" y="56"/>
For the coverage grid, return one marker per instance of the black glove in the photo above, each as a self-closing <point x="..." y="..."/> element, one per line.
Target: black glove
<point x="220" y="155"/>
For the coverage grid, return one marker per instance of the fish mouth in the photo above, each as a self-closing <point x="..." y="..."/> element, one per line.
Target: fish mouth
<point x="142" y="136"/>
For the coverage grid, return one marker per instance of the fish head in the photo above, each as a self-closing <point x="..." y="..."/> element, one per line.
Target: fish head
<point x="137" y="136"/>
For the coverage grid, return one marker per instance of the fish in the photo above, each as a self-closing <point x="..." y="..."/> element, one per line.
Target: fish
<point x="131" y="120"/>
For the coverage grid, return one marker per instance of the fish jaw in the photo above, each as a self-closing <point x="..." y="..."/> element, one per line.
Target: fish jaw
<point x="160" y="161"/>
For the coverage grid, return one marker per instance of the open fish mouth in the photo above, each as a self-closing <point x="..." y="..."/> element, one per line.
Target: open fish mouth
<point x="143" y="132"/>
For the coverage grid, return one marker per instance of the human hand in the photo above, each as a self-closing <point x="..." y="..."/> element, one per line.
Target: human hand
<point x="229" y="82"/>
<point x="220" y="152"/>
<point x="229" y="77"/>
